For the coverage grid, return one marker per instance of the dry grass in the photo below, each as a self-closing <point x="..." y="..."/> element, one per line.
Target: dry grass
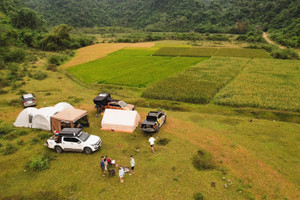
<point x="96" y="51"/>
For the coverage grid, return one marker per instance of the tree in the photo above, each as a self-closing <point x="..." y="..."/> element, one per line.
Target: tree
<point x="26" y="18"/>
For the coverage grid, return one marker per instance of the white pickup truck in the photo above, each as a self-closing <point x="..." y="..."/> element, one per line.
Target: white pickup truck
<point x="74" y="139"/>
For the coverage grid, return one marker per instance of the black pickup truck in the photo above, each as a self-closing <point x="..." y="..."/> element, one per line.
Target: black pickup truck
<point x="153" y="121"/>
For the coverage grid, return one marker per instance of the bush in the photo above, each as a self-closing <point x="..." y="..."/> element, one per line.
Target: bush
<point x="9" y="149"/>
<point x="44" y="136"/>
<point x="285" y="54"/>
<point x="198" y="196"/>
<point x="34" y="141"/>
<point x="203" y="161"/>
<point x="20" y="142"/>
<point x="163" y="141"/>
<point x="52" y="67"/>
<point x="17" y="55"/>
<point x="5" y="129"/>
<point x="39" y="163"/>
<point x="39" y="75"/>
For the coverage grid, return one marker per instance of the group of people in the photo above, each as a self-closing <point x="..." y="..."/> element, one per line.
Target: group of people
<point x="105" y="161"/>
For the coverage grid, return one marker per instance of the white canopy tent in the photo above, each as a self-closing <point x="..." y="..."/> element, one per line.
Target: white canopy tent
<point x="120" y="120"/>
<point x="39" y="118"/>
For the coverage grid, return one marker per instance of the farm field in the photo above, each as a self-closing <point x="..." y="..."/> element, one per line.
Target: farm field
<point x="264" y="83"/>
<point x="246" y="53"/>
<point x="197" y="84"/>
<point x="253" y="160"/>
<point x="185" y="51"/>
<point x="136" y="68"/>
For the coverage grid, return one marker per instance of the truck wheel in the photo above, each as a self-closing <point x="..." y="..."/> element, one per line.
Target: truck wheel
<point x="87" y="150"/>
<point x="58" y="149"/>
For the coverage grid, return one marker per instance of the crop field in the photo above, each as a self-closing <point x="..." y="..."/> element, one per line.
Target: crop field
<point x="265" y="83"/>
<point x="197" y="84"/>
<point x="185" y="51"/>
<point x="136" y="68"/>
<point x="246" y="53"/>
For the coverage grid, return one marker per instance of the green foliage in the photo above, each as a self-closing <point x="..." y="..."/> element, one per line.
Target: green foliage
<point x="163" y="141"/>
<point x="203" y="160"/>
<point x="34" y="141"/>
<point x="136" y="68"/>
<point x="198" y="196"/>
<point x="197" y="84"/>
<point x="185" y="51"/>
<point x="260" y="84"/>
<point x="39" y="75"/>
<point x="247" y="53"/>
<point x="284" y="54"/>
<point x="39" y="163"/>
<point x="56" y="59"/>
<point x="15" y="55"/>
<point x="9" y="149"/>
<point x="26" y="18"/>
<point x="5" y="129"/>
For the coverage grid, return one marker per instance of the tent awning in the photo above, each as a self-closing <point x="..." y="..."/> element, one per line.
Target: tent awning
<point x="70" y="115"/>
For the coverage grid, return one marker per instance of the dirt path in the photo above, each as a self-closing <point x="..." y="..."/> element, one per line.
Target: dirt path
<point x="266" y="37"/>
<point x="97" y="51"/>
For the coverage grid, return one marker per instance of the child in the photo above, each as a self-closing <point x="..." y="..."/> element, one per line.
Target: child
<point x="102" y="166"/>
<point x="151" y="140"/>
<point x="121" y="174"/>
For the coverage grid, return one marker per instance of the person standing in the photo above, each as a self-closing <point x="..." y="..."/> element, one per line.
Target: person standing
<point x="121" y="174"/>
<point x="102" y="166"/>
<point x="152" y="140"/>
<point x="132" y="163"/>
<point x="105" y="164"/>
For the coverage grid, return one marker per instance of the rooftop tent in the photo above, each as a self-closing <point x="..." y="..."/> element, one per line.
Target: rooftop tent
<point x="41" y="119"/>
<point x="102" y="99"/>
<point x="24" y="119"/>
<point x="120" y="120"/>
<point x="63" y="105"/>
<point x="68" y="116"/>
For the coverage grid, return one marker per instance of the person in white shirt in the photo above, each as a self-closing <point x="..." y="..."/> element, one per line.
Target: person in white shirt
<point x="132" y="163"/>
<point x="121" y="174"/>
<point x="151" y="140"/>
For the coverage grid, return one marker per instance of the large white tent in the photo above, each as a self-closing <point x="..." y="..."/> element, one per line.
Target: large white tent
<point x="39" y="118"/>
<point x="120" y="120"/>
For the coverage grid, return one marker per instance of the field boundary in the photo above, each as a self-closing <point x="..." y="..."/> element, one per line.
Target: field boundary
<point x="243" y="68"/>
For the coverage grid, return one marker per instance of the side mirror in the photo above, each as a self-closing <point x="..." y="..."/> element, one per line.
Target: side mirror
<point x="78" y="142"/>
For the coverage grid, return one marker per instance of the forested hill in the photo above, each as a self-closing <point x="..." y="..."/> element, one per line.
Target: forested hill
<point x="171" y="15"/>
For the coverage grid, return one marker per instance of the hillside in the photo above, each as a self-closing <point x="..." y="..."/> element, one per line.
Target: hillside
<point x="172" y="15"/>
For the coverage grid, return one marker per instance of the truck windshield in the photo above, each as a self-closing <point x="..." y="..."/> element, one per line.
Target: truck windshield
<point x="122" y="103"/>
<point x="83" y="136"/>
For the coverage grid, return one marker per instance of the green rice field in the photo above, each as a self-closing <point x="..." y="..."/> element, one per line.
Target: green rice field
<point x="136" y="68"/>
<point x="197" y="84"/>
<point x="185" y="51"/>
<point x="246" y="53"/>
<point x="265" y="83"/>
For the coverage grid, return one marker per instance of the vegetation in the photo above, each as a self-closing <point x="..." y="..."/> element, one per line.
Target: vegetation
<point x="197" y="84"/>
<point x="9" y="149"/>
<point x="185" y="52"/>
<point x="174" y="15"/>
<point x="39" y="163"/>
<point x="264" y="83"/>
<point x="203" y="161"/>
<point x="247" y="53"/>
<point x="131" y="68"/>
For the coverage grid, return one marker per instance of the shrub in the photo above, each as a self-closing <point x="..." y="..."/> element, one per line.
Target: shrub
<point x="198" y="196"/>
<point x="17" y="55"/>
<point x="14" y="102"/>
<point x="39" y="75"/>
<point x="163" y="141"/>
<point x="52" y="67"/>
<point x="34" y="141"/>
<point x="21" y="91"/>
<point x="9" y="149"/>
<point x="203" y="161"/>
<point x="5" y="129"/>
<point x="20" y="142"/>
<point x="285" y="54"/>
<point x="44" y="136"/>
<point x="11" y="136"/>
<point x="39" y="163"/>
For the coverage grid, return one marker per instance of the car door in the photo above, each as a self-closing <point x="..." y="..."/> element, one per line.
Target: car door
<point x="72" y="144"/>
<point x="161" y="119"/>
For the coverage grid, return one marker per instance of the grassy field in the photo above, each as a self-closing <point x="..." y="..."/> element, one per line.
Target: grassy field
<point x="185" y="52"/>
<point x="265" y="83"/>
<point x="131" y="67"/>
<point x="197" y="84"/>
<point x="245" y="53"/>
<point x="258" y="159"/>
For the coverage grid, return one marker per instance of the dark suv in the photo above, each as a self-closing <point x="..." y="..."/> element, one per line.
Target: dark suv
<point x="153" y="121"/>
